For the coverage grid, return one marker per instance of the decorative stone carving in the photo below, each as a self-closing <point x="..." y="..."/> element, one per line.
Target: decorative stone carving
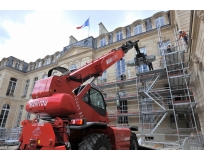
<point x="195" y="58"/>
<point x="200" y="14"/>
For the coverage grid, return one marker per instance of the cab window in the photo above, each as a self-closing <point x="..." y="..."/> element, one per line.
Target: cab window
<point x="96" y="99"/>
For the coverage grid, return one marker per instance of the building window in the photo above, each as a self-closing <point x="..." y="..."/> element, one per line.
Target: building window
<point x="110" y="38"/>
<point x="143" y="67"/>
<point x="128" y="32"/>
<point x="31" y="67"/>
<point x="119" y="36"/>
<point x="120" y="68"/>
<point x="11" y="87"/>
<point x="39" y="64"/>
<point x="138" y="29"/>
<point x="148" y="24"/>
<point x="123" y="109"/>
<point x="73" y="67"/>
<point x="45" y="76"/>
<point x="47" y="61"/>
<point x="26" y="88"/>
<point x="34" y="82"/>
<point x="102" y="42"/>
<point x="28" y="115"/>
<point x="17" y="65"/>
<point x="104" y="76"/>
<point x="52" y="60"/>
<point x="159" y="21"/>
<point x="4" y="115"/>
<point x="58" y="55"/>
<point x="19" y="116"/>
<point x="163" y="46"/>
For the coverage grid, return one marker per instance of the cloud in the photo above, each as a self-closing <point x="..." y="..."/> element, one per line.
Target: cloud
<point x="3" y="35"/>
<point x="16" y="16"/>
<point x="42" y="33"/>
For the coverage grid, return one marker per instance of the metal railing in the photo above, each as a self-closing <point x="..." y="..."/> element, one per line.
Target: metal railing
<point x="193" y="142"/>
<point x="9" y="136"/>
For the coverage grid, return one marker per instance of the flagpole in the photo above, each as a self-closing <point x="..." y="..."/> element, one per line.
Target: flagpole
<point x="89" y="27"/>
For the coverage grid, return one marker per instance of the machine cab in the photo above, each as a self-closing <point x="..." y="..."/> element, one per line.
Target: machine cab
<point x="94" y="99"/>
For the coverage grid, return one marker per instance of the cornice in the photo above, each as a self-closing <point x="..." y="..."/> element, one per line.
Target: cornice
<point x="200" y="14"/>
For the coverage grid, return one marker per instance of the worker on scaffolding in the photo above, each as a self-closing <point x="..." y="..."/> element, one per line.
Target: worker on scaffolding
<point x="184" y="35"/>
<point x="169" y="49"/>
<point x="139" y="54"/>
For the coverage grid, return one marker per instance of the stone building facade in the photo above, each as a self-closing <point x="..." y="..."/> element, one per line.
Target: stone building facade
<point x="17" y="78"/>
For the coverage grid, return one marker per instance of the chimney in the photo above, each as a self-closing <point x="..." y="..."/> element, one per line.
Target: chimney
<point x="102" y="29"/>
<point x="72" y="40"/>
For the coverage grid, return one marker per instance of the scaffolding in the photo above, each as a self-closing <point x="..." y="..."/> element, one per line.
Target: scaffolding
<point x="161" y="95"/>
<point x="174" y="100"/>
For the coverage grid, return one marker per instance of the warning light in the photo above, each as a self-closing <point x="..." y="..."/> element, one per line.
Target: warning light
<point x="39" y="141"/>
<point x="76" y="121"/>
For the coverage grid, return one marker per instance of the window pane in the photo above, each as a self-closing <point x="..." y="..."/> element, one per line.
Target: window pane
<point x="123" y="66"/>
<point x="4" y="115"/>
<point x="162" y="21"/>
<point x="96" y="99"/>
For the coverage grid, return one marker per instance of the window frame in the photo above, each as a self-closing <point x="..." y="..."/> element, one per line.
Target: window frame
<point x="20" y="115"/>
<point x="120" y="68"/>
<point x="119" y="36"/>
<point x="11" y="86"/>
<point x="137" y="29"/>
<point x="17" y="65"/>
<point x="39" y="64"/>
<point x="48" y="61"/>
<point x="123" y="109"/>
<point x="26" y="87"/>
<point x="158" y="19"/>
<point x="5" y="108"/>
<point x="102" y="42"/>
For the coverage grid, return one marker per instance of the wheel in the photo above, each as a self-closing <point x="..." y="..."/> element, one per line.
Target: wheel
<point x="95" y="141"/>
<point x="133" y="142"/>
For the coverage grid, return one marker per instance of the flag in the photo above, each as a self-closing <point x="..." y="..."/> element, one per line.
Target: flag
<point x="85" y="24"/>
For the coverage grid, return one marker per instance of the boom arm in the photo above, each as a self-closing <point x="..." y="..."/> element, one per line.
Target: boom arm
<point x="56" y="96"/>
<point x="96" y="67"/>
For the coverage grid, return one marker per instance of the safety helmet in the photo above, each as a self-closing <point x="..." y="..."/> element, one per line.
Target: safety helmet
<point x="179" y="31"/>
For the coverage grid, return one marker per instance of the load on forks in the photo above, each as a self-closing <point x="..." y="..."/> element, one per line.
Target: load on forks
<point x="74" y="113"/>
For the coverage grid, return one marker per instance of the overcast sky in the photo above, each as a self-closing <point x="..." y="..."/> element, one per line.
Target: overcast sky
<point x="29" y="35"/>
<point x="33" y="29"/>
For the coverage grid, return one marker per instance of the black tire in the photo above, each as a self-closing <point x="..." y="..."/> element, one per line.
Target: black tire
<point x="133" y="142"/>
<point x="95" y="141"/>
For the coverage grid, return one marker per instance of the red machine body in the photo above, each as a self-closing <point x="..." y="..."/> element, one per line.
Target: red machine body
<point x="73" y="111"/>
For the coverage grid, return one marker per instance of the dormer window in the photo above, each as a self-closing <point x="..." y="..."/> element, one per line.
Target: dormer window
<point x="31" y="67"/>
<point x="119" y="36"/>
<point x="138" y="29"/>
<point x="102" y="42"/>
<point x="159" y="21"/>
<point x="17" y="65"/>
<point x="47" y="61"/>
<point x="39" y="64"/>
<point x="58" y="55"/>
<point x="73" y="67"/>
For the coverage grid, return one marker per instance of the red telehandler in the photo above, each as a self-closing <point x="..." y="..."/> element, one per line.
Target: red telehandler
<point x="74" y="114"/>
